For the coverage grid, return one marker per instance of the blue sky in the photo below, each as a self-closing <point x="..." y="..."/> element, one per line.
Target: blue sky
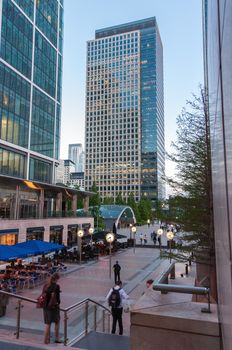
<point x="180" y="27"/>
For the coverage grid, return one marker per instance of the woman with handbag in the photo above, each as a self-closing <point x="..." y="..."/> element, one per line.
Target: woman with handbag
<point x="51" y="308"/>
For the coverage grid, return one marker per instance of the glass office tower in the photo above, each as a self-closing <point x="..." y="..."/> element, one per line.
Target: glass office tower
<point x="31" y="40"/>
<point x="124" y="111"/>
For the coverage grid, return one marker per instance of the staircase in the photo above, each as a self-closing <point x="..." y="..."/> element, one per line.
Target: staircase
<point x="103" y="341"/>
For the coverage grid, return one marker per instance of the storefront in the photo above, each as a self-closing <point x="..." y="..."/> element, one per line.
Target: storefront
<point x="56" y="234"/>
<point x="9" y="237"/>
<point x="35" y="233"/>
<point x="72" y="235"/>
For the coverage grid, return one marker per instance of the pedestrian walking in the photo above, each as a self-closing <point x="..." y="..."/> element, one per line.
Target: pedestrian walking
<point x="141" y="238"/>
<point x="117" y="269"/>
<point x="4" y="299"/>
<point x="51" y="309"/>
<point x="145" y="239"/>
<point x="115" y="298"/>
<point x="154" y="237"/>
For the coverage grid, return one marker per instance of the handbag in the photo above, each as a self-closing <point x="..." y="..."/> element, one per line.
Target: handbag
<point x="40" y="301"/>
<point x="53" y="303"/>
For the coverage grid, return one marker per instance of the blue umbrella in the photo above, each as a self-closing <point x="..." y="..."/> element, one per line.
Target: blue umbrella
<point x="9" y="252"/>
<point x="35" y="247"/>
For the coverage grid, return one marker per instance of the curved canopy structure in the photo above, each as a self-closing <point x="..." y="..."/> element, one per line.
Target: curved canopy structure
<point x="118" y="214"/>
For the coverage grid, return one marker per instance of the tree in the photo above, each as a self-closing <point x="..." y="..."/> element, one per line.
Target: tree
<point x="119" y="200"/>
<point x="192" y="203"/>
<point x="108" y="200"/>
<point x="94" y="203"/>
<point x="145" y="209"/>
<point x="132" y="203"/>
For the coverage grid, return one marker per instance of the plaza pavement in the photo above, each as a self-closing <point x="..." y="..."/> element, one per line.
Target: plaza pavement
<point x="89" y="280"/>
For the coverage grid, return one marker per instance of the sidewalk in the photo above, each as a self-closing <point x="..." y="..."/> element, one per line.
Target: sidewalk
<point x="88" y="280"/>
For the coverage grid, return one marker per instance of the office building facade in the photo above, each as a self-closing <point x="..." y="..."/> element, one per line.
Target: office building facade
<point x="76" y="154"/>
<point x="30" y="86"/>
<point x="124" y="111"/>
<point x="217" y="27"/>
<point x="31" y="206"/>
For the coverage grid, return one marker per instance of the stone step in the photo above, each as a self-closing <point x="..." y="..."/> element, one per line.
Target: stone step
<point x="103" y="341"/>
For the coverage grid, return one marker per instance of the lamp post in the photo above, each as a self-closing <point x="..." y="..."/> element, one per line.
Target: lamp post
<point x="159" y="233"/>
<point x="91" y="234"/>
<point x="133" y="229"/>
<point x="130" y="229"/>
<point x="80" y="234"/>
<point x="110" y="238"/>
<point x="170" y="236"/>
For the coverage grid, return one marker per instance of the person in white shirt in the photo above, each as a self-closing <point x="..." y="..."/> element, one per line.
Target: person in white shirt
<point x="117" y="309"/>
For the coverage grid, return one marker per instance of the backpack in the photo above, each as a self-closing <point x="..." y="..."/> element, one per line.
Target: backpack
<point x="115" y="298"/>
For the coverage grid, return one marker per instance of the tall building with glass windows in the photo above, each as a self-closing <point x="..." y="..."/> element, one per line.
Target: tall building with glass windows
<point x="31" y="38"/>
<point x="124" y="111"/>
<point x="76" y="154"/>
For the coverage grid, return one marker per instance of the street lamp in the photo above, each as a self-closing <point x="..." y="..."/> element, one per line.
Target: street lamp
<point x="109" y="239"/>
<point x="130" y="229"/>
<point x="133" y="229"/>
<point x="80" y="234"/>
<point x="91" y="230"/>
<point x="170" y="236"/>
<point x="159" y="233"/>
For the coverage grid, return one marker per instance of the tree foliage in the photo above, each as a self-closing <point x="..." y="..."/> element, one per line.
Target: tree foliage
<point x="191" y="204"/>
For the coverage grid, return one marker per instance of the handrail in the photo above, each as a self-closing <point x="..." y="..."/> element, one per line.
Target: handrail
<point x="61" y="309"/>
<point x="18" y="296"/>
<point x="65" y="310"/>
<point x="82" y="302"/>
<point x="162" y="286"/>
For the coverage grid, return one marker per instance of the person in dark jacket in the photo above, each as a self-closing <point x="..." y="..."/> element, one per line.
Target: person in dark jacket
<point x="51" y="308"/>
<point x="117" y="269"/>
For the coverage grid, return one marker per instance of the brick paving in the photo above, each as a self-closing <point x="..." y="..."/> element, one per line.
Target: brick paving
<point x="90" y="280"/>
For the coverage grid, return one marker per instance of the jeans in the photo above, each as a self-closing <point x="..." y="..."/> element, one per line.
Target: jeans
<point x="117" y="317"/>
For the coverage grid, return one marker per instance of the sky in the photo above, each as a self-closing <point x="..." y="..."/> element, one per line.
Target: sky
<point x="180" y="27"/>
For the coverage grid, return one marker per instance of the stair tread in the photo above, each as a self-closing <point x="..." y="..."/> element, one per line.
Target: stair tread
<point x="103" y="341"/>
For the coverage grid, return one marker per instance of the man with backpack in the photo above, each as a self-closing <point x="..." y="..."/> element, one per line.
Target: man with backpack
<point x="117" y="269"/>
<point x="114" y="298"/>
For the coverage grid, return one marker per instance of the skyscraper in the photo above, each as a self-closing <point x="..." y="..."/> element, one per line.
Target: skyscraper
<point x="76" y="154"/>
<point x="124" y="111"/>
<point x="31" y="34"/>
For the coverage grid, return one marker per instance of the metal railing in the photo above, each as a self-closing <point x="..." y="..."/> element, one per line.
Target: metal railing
<point x="164" y="287"/>
<point x="84" y="316"/>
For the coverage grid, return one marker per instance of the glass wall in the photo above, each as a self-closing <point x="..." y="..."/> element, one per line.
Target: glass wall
<point x="8" y="237"/>
<point x="45" y="65"/>
<point x="12" y="163"/>
<point x="42" y="124"/>
<point x="14" y="107"/>
<point x="72" y="235"/>
<point x="56" y="234"/>
<point x="35" y="233"/>
<point x="16" y="39"/>
<point x="40" y="171"/>
<point x="27" y="6"/>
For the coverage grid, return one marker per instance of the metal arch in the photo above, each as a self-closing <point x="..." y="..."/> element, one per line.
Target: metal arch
<point x="119" y="216"/>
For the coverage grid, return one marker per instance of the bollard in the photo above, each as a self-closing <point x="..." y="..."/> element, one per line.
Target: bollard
<point x="186" y="269"/>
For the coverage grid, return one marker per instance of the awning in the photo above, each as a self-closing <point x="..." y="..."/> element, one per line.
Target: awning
<point x="35" y="247"/>
<point x="10" y="252"/>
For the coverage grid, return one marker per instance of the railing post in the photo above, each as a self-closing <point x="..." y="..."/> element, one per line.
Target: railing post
<point x="95" y="317"/>
<point x="108" y="322"/>
<point x="172" y="274"/>
<point x="103" y="321"/>
<point x="86" y="317"/>
<point x="65" y="328"/>
<point x="18" y="308"/>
